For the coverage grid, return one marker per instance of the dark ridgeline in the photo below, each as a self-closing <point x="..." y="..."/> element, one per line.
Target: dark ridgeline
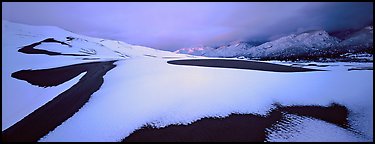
<point x="237" y="127"/>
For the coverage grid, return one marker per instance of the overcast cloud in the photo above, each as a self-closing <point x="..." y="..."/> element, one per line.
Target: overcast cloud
<point x="170" y="26"/>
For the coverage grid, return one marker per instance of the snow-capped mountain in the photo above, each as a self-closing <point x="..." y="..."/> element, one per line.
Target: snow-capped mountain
<point x="294" y="45"/>
<point x="198" y="50"/>
<point x="343" y="34"/>
<point x="362" y="39"/>
<point x="232" y="49"/>
<point x="309" y="44"/>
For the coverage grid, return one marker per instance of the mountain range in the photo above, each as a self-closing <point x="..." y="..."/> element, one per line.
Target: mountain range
<point x="345" y="45"/>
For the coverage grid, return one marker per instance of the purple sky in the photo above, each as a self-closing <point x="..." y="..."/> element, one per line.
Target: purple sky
<point x="170" y="26"/>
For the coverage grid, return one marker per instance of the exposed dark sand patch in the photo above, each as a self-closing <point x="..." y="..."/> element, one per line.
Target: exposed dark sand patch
<point x="335" y="113"/>
<point x="88" y="51"/>
<point x="240" y="64"/>
<point x="53" y="76"/>
<point x="360" y="68"/>
<point x="55" y="41"/>
<point x="150" y="55"/>
<point x="70" y="38"/>
<point x="171" y="57"/>
<point x="236" y="127"/>
<point x="29" y="49"/>
<point x="90" y="58"/>
<point x="316" y="65"/>
<point x="121" y="54"/>
<point x="55" y="112"/>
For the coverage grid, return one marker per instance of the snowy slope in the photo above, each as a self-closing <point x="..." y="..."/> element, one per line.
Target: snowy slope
<point x="19" y="97"/>
<point x="144" y="89"/>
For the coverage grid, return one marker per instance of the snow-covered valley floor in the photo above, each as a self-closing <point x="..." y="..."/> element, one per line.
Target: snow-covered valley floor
<point x="144" y="90"/>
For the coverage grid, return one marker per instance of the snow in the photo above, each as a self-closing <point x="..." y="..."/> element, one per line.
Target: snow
<point x="143" y="88"/>
<point x="20" y="98"/>
<point x="330" y="66"/>
<point x="147" y="90"/>
<point x="304" y="129"/>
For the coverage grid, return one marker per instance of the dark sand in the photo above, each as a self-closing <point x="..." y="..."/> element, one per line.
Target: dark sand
<point x="90" y="58"/>
<point x="240" y="64"/>
<point x="171" y="57"/>
<point x="316" y="65"/>
<point x="29" y="49"/>
<point x="70" y="38"/>
<point x="55" y="112"/>
<point x="360" y="68"/>
<point x="150" y="55"/>
<point x="236" y="127"/>
<point x="52" y="76"/>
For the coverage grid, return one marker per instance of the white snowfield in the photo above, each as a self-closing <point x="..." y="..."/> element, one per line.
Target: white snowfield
<point x="144" y="89"/>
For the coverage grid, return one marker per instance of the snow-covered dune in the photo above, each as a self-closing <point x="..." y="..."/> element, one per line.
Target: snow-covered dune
<point x="19" y="97"/>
